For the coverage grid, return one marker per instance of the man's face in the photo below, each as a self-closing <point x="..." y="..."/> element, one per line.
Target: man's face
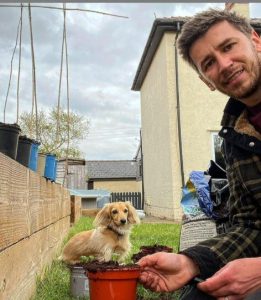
<point x="229" y="61"/>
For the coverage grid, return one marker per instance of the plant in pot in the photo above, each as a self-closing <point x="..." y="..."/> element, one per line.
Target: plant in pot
<point x="9" y="135"/>
<point x="111" y="280"/>
<point x="103" y="280"/>
<point x="24" y="150"/>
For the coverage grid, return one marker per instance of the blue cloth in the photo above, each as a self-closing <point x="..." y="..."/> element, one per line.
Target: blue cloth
<point x="203" y="192"/>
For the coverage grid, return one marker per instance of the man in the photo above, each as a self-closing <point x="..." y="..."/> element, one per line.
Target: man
<point x="226" y="52"/>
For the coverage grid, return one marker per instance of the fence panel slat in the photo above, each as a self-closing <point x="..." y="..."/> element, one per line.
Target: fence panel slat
<point x="133" y="197"/>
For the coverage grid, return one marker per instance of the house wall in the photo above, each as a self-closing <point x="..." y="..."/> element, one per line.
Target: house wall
<point x="241" y="8"/>
<point x="118" y="186"/>
<point x="200" y="110"/>
<point x="160" y="153"/>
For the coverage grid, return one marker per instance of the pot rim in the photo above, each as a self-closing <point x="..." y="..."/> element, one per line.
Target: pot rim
<point x="8" y="126"/>
<point x="110" y="274"/>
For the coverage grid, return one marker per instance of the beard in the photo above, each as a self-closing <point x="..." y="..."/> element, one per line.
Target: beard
<point x="252" y="90"/>
<point x="248" y="92"/>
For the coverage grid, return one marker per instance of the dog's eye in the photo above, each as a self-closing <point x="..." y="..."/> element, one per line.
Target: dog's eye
<point x="125" y="210"/>
<point x="115" y="212"/>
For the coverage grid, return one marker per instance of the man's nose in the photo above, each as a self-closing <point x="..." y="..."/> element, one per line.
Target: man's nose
<point x="224" y="62"/>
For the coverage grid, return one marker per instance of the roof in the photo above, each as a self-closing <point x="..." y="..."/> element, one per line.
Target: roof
<point x="159" y="27"/>
<point x="73" y="161"/>
<point x="111" y="169"/>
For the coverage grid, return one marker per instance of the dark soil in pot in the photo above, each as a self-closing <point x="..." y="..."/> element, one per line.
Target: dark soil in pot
<point x="147" y="250"/>
<point x="96" y="266"/>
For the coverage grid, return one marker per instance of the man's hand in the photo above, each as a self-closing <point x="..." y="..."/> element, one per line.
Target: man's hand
<point x="235" y="280"/>
<point x="165" y="272"/>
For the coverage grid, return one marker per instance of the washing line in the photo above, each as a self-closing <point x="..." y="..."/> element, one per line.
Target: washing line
<point x="70" y="9"/>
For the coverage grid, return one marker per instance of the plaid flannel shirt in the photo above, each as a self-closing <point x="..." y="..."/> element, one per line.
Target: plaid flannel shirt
<point x="242" y="151"/>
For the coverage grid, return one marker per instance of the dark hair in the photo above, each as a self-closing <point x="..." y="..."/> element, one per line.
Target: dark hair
<point x="197" y="26"/>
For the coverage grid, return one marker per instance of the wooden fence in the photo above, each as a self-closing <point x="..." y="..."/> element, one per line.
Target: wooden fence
<point x="134" y="197"/>
<point x="34" y="219"/>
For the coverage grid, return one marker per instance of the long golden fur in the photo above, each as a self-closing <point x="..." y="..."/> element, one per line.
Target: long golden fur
<point x="111" y="235"/>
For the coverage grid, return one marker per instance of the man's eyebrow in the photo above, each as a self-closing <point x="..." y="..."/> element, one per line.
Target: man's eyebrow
<point x="223" y="43"/>
<point x="219" y="46"/>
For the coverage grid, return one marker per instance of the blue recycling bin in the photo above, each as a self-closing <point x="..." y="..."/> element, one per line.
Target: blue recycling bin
<point x="33" y="162"/>
<point x="50" y="168"/>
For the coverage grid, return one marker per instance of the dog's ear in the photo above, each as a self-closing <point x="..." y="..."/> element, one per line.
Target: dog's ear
<point x="103" y="217"/>
<point x="133" y="217"/>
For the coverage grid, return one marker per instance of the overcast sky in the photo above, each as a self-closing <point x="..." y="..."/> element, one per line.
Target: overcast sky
<point x="104" y="53"/>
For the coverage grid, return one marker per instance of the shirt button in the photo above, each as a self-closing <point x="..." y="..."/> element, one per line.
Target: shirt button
<point x="225" y="131"/>
<point x="251" y="144"/>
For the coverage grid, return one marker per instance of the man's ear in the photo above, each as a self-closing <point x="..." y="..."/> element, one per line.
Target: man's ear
<point x="210" y="86"/>
<point x="256" y="40"/>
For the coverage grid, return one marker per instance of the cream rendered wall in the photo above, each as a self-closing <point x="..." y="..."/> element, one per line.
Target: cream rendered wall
<point x="158" y="123"/>
<point x="242" y="9"/>
<point x="118" y="186"/>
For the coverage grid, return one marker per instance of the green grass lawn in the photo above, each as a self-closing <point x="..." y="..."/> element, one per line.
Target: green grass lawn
<point x="55" y="284"/>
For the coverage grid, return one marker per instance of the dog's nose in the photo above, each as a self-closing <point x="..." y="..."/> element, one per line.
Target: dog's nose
<point x="123" y="221"/>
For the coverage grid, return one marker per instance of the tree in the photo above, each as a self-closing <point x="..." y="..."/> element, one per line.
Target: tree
<point x="53" y="131"/>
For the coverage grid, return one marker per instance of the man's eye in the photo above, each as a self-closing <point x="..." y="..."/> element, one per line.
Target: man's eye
<point x="208" y="64"/>
<point x="228" y="47"/>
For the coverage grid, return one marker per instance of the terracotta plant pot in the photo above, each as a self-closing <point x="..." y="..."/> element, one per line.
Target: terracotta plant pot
<point x="113" y="283"/>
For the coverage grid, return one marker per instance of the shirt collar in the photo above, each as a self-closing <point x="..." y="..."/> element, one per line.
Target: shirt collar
<point x="232" y="111"/>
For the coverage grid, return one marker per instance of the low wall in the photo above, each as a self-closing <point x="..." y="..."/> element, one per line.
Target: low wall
<point x="34" y="219"/>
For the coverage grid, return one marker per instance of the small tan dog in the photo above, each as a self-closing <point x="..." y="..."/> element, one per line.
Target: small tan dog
<point x="111" y="235"/>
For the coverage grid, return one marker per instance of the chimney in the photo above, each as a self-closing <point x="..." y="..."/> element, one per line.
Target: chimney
<point x="240" y="8"/>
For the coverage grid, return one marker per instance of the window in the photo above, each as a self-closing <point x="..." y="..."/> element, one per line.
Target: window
<point x="217" y="156"/>
<point x="90" y="185"/>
